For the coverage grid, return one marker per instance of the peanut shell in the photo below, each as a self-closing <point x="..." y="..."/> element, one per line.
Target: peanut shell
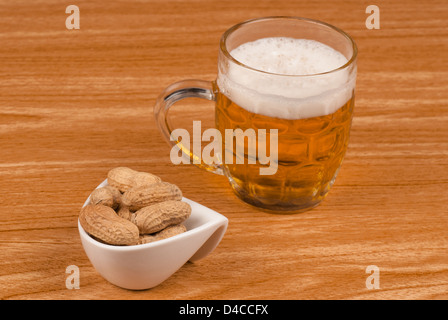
<point x="145" y="178"/>
<point x="103" y="223"/>
<point x="102" y="196"/>
<point x="124" y="178"/>
<point x="124" y="212"/>
<point x="168" y="232"/>
<point x="143" y="196"/>
<point x="157" y="217"/>
<point x="108" y="196"/>
<point x="121" y="178"/>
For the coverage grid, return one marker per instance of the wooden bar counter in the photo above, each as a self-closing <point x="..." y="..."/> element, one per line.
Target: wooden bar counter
<point x="76" y="103"/>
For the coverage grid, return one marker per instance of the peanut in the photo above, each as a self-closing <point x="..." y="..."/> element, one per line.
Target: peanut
<point x="158" y="216"/>
<point x="108" y="196"/>
<point x="146" y="195"/>
<point x="124" y="178"/>
<point x="121" y="178"/>
<point x="145" y="178"/>
<point x="124" y="212"/>
<point x="103" y="223"/>
<point x="116" y="194"/>
<point x="163" y="234"/>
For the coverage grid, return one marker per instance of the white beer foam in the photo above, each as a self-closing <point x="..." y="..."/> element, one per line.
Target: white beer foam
<point x="287" y="88"/>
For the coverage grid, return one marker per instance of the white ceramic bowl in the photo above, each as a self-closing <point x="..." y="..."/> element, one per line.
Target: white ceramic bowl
<point x="147" y="265"/>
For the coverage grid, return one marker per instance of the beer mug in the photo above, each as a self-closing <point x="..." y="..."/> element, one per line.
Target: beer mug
<point x="291" y="82"/>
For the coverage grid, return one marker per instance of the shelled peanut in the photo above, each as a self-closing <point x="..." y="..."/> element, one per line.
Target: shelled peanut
<point x="134" y="208"/>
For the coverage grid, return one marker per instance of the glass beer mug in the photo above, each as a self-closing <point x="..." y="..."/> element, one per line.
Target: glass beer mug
<point x="286" y="86"/>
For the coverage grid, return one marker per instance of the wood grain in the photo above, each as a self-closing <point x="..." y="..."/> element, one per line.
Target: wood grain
<point x="74" y="104"/>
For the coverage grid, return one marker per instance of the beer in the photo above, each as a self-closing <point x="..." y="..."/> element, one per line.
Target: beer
<point x="284" y="98"/>
<point x="272" y="87"/>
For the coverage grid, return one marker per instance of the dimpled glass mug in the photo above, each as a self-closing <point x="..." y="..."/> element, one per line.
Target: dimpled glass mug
<point x="285" y="86"/>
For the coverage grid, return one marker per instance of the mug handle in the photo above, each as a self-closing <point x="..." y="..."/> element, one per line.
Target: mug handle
<point x="172" y="94"/>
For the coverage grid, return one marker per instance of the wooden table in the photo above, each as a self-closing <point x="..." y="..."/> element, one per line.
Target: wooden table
<point x="76" y="103"/>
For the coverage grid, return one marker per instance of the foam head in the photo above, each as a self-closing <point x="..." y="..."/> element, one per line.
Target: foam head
<point x="287" y="78"/>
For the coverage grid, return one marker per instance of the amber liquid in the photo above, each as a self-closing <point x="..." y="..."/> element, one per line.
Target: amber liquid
<point x="310" y="153"/>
